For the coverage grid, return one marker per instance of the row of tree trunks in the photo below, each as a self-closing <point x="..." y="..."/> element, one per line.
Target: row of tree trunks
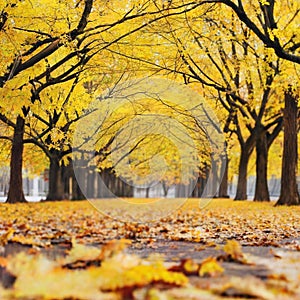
<point x="90" y="184"/>
<point x="218" y="175"/>
<point x="62" y="181"/>
<point x="262" y="147"/>
<point x="114" y="186"/>
<point x="289" y="193"/>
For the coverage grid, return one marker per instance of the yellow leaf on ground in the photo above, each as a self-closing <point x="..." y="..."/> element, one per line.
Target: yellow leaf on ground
<point x="81" y="252"/>
<point x="3" y="262"/>
<point x="210" y="267"/>
<point x="234" y="249"/>
<point x="4" y="238"/>
<point x="113" y="247"/>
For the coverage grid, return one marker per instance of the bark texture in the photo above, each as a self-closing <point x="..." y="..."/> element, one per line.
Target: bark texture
<point x="15" y="192"/>
<point x="241" y="192"/>
<point x="56" y="187"/>
<point x="261" y="186"/>
<point x="289" y="192"/>
<point x="223" y="189"/>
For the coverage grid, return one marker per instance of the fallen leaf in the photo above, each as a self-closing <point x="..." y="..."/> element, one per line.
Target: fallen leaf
<point x="4" y="238"/>
<point x="233" y="252"/>
<point x="210" y="267"/>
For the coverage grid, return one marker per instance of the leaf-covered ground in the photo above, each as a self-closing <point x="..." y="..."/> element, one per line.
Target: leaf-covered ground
<point x="226" y="250"/>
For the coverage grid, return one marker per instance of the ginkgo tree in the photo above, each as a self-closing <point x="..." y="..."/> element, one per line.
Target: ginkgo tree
<point x="264" y="18"/>
<point x="278" y="31"/>
<point x="48" y="44"/>
<point x="51" y="124"/>
<point x="239" y="74"/>
<point x="25" y="65"/>
<point x="147" y="135"/>
<point x="156" y="153"/>
<point x="221" y="62"/>
<point x="242" y="90"/>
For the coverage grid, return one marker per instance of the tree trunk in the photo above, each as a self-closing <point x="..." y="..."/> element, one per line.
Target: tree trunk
<point x="56" y="188"/>
<point x="80" y="179"/>
<point x="289" y="193"/>
<point x="101" y="184"/>
<point x="241" y="192"/>
<point x="215" y="178"/>
<point x="76" y="191"/>
<point x="223" y="189"/>
<point x="147" y="192"/>
<point x="128" y="190"/>
<point x="261" y="186"/>
<point x="90" y="192"/>
<point x="15" y="193"/>
<point x="165" y="188"/>
<point x="66" y="174"/>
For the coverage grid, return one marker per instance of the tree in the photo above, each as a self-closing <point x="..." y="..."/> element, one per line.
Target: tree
<point x="280" y="35"/>
<point x="52" y="49"/>
<point x="14" y="78"/>
<point x="221" y="60"/>
<point x="144" y="136"/>
<point x="15" y="183"/>
<point x="198" y="70"/>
